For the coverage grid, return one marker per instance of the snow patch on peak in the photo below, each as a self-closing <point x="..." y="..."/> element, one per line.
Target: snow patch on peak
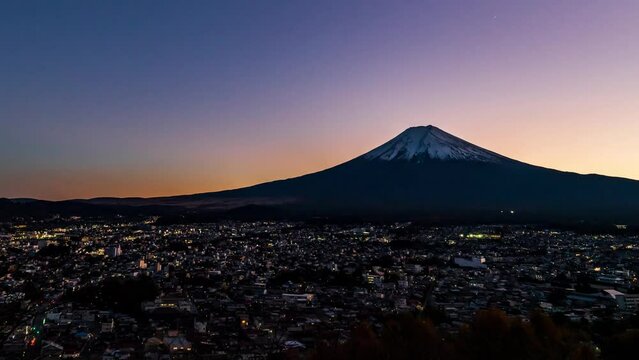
<point x="429" y="142"/>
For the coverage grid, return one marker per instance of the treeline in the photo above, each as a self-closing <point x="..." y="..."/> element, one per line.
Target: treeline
<point x="491" y="335"/>
<point x="119" y="294"/>
<point x="323" y="277"/>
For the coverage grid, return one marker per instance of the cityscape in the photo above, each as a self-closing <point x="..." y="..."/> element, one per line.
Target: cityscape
<point x="124" y="289"/>
<point x="319" y="180"/>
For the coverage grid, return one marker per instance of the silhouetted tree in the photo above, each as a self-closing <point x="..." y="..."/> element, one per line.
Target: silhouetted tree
<point x="491" y="335"/>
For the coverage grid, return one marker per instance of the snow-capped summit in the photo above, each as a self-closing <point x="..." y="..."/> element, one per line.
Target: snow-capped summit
<point x="429" y="142"/>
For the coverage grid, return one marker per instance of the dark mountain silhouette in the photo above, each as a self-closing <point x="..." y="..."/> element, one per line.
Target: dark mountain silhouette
<point x="425" y="173"/>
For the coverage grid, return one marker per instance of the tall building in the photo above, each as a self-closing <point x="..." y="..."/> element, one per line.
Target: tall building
<point x="114" y="250"/>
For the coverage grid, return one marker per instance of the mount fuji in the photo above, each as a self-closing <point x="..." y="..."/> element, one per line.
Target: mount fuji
<point x="430" y="143"/>
<point x="423" y="173"/>
<point x="427" y="173"/>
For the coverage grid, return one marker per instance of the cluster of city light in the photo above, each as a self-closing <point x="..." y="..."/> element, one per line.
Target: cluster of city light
<point x="480" y="236"/>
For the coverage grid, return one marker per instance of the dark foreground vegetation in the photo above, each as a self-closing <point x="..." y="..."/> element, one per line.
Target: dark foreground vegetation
<point x="492" y="335"/>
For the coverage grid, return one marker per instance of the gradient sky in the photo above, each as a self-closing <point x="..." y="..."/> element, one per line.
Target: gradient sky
<point x="146" y="98"/>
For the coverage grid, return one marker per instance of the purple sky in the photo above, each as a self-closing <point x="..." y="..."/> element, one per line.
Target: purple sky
<point x="145" y="98"/>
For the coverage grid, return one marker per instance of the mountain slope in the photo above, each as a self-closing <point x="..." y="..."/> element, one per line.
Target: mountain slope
<point x="427" y="173"/>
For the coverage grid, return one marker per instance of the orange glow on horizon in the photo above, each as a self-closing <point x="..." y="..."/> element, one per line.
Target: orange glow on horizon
<point x="532" y="145"/>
